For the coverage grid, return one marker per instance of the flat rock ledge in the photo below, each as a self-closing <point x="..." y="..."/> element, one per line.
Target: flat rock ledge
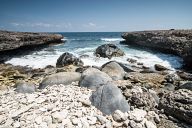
<point x="64" y="106"/>
<point x="178" y="42"/>
<point x="10" y="41"/>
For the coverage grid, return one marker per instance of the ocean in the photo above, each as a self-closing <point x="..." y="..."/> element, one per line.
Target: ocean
<point x="85" y="43"/>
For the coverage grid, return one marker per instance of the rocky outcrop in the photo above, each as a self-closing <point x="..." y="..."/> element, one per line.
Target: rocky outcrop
<point x="108" y="51"/>
<point x="178" y="104"/>
<point x="10" y="41"/>
<point x="178" y="42"/>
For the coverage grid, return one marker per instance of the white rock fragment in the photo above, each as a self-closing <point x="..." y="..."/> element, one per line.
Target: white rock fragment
<point x="137" y="115"/>
<point x="149" y="124"/>
<point x="119" y="116"/>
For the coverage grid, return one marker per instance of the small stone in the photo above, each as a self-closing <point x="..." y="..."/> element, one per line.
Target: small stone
<point x="149" y="124"/>
<point x="108" y="124"/>
<point x="137" y="115"/>
<point x="85" y="123"/>
<point x="119" y="116"/>
<point x="92" y="120"/>
<point x="101" y="119"/>
<point x="16" y="124"/>
<point x="38" y="120"/>
<point x="85" y="102"/>
<point x="75" y="121"/>
<point x="57" y="117"/>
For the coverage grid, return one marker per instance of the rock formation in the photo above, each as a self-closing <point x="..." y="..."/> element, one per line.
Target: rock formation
<point x="178" y="42"/>
<point x="10" y="41"/>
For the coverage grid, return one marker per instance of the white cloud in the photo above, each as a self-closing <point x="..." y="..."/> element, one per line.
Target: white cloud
<point x="42" y="25"/>
<point x="90" y="25"/>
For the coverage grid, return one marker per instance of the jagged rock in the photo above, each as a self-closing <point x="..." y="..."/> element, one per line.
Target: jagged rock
<point x="24" y="87"/>
<point x="176" y="42"/>
<point x="68" y="59"/>
<point x="109" y="51"/>
<point x="137" y="115"/>
<point x="141" y="97"/>
<point x="153" y="80"/>
<point x="159" y="67"/>
<point x="149" y="124"/>
<point x="178" y="104"/>
<point x="93" y="78"/>
<point x="60" y="78"/>
<point x="187" y="85"/>
<point x="114" y="70"/>
<point x="131" y="60"/>
<point x="11" y="43"/>
<point x="184" y="75"/>
<point x="109" y="98"/>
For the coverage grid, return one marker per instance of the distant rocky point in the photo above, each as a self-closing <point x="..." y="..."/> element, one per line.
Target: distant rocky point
<point x="178" y="42"/>
<point x="10" y="41"/>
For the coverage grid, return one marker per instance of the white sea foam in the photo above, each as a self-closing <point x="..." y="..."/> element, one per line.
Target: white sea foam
<point x="111" y="39"/>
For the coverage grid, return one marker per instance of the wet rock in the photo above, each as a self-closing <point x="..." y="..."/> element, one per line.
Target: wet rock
<point x="159" y="67"/>
<point x="25" y="87"/>
<point x="68" y="59"/>
<point x="93" y="78"/>
<point x="109" y="98"/>
<point x="60" y="78"/>
<point x="187" y="85"/>
<point x="178" y="104"/>
<point x="109" y="51"/>
<point x="131" y="60"/>
<point x="114" y="70"/>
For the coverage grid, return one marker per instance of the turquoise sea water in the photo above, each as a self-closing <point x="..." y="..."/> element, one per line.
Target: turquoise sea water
<point x="85" y="43"/>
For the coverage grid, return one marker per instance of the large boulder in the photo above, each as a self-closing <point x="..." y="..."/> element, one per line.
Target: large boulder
<point x="93" y="78"/>
<point x="60" y="78"/>
<point x="178" y="104"/>
<point x="109" y="98"/>
<point x="25" y="87"/>
<point x="68" y="59"/>
<point x="109" y="51"/>
<point x="114" y="70"/>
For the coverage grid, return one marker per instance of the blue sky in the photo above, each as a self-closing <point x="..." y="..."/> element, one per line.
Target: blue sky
<point x="94" y="15"/>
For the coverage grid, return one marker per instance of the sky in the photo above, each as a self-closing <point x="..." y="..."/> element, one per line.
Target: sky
<point x="94" y="15"/>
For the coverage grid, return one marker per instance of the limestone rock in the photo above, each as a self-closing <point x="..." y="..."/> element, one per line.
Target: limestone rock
<point x="60" y="78"/>
<point x="114" y="70"/>
<point x="24" y="87"/>
<point x="109" y="98"/>
<point x="93" y="78"/>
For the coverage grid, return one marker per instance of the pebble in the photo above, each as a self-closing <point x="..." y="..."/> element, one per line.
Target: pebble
<point x="119" y="116"/>
<point x="149" y="124"/>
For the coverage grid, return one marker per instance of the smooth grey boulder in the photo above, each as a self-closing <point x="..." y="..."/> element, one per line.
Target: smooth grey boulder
<point x="109" y="98"/>
<point x="68" y="59"/>
<point x="109" y="51"/>
<point x="93" y="78"/>
<point x="25" y="87"/>
<point x="114" y="70"/>
<point x="60" y="78"/>
<point x="178" y="104"/>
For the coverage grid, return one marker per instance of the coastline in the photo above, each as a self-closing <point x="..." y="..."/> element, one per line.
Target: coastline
<point x="141" y="94"/>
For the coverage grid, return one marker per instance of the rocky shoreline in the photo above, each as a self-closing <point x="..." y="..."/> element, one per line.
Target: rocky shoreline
<point x="178" y="42"/>
<point x="115" y="95"/>
<point x="16" y="43"/>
